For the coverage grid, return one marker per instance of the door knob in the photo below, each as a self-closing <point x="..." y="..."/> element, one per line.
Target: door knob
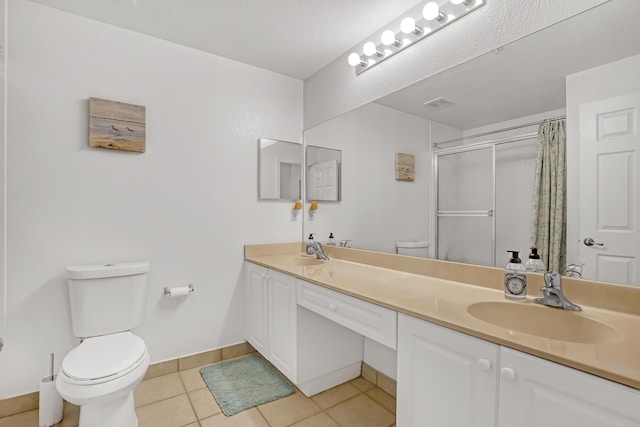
<point x="590" y="242"/>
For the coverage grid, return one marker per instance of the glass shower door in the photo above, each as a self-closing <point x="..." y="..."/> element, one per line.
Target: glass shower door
<point x="465" y="225"/>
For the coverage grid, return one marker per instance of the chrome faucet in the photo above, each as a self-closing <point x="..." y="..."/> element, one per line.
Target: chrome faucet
<point x="552" y="294"/>
<point x="315" y="248"/>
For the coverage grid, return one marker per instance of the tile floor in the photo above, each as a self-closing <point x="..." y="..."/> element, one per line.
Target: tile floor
<point x="182" y="399"/>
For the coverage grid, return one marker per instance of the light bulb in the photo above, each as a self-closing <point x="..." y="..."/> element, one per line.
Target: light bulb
<point x="369" y="49"/>
<point x="388" y="38"/>
<point x="354" y="59"/>
<point x="408" y="25"/>
<point x="431" y="11"/>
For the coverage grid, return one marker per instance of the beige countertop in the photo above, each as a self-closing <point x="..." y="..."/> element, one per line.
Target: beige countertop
<point x="441" y="292"/>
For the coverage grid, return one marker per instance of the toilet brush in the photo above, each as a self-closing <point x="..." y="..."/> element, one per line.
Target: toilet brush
<point x="50" y="412"/>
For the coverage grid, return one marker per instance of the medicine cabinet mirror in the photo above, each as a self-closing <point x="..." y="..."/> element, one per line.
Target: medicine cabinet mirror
<point x="279" y="170"/>
<point x="323" y="171"/>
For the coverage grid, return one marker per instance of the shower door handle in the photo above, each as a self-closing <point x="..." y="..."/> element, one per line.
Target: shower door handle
<point x="590" y="242"/>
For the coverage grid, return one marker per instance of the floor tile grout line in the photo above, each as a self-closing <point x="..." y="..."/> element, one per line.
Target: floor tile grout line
<point x="161" y="400"/>
<point x="262" y="415"/>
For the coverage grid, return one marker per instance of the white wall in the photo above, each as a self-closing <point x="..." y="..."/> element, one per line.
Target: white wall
<point x="613" y="79"/>
<point x="336" y="89"/>
<point x="188" y="204"/>
<point x="376" y="210"/>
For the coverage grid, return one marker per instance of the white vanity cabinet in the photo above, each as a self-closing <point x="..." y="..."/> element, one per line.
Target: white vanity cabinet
<point x="538" y="393"/>
<point x="256" y="307"/>
<point x="313" y="352"/>
<point x="270" y="302"/>
<point x="446" y="378"/>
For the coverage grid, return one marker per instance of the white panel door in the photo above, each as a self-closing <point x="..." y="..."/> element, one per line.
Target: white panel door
<point x="538" y="393"/>
<point x="445" y="378"/>
<point x="323" y="181"/>
<point x="256" y="307"/>
<point x="609" y="189"/>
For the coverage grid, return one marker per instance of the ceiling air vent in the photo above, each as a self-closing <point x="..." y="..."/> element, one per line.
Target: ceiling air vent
<point x="438" y="103"/>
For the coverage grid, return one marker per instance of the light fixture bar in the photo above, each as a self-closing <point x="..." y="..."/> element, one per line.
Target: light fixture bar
<point x="434" y="17"/>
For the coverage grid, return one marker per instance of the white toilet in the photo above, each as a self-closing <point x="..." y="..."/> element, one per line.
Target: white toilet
<point x="417" y="248"/>
<point x="99" y="375"/>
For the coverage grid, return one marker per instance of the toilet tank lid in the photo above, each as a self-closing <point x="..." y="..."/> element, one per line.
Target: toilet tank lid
<point x="413" y="244"/>
<point x="97" y="271"/>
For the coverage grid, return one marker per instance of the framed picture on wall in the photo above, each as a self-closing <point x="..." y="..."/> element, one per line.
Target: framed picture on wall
<point x="116" y="125"/>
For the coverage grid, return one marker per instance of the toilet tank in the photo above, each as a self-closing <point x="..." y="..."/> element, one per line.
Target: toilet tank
<point x="107" y="298"/>
<point x="417" y="248"/>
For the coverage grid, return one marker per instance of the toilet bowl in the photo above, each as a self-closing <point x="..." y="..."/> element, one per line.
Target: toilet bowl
<point x="416" y="248"/>
<point x="100" y="374"/>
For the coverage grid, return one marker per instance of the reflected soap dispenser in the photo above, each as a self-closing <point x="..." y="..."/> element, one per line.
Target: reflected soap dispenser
<point x="534" y="264"/>
<point x="515" y="279"/>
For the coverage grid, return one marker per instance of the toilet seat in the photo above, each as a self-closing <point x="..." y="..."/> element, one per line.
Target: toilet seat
<point x="100" y="359"/>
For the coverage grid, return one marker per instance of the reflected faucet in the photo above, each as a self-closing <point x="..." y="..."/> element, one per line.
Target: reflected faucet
<point x="315" y="248"/>
<point x="574" y="270"/>
<point x="552" y="294"/>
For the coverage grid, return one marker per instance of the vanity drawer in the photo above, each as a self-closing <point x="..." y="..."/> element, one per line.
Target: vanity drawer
<point x="371" y="320"/>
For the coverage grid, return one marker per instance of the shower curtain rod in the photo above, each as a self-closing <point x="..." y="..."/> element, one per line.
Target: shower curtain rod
<point x="539" y="122"/>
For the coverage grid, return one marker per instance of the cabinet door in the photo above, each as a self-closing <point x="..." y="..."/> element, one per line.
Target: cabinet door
<point x="256" y="308"/>
<point x="282" y="323"/>
<point x="445" y="378"/>
<point x="536" y="393"/>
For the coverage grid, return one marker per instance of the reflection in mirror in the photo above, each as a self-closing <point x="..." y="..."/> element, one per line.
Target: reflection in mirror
<point x="585" y="69"/>
<point x="323" y="166"/>
<point x="279" y="170"/>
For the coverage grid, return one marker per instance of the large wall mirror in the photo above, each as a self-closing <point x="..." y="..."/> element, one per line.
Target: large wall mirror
<point x="279" y="170"/>
<point x="473" y="131"/>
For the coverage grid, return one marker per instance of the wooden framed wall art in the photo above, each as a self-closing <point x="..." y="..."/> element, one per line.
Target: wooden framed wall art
<point x="116" y="125"/>
<point x="405" y="167"/>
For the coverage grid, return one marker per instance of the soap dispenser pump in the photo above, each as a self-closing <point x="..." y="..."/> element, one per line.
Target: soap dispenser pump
<point x="515" y="279"/>
<point x="534" y="264"/>
<point x="332" y="241"/>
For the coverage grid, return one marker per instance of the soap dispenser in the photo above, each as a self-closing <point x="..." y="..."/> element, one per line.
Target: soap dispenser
<point x="332" y="241"/>
<point x="534" y="264"/>
<point x="515" y="279"/>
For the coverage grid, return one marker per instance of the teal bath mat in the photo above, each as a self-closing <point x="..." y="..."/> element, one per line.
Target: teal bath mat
<point x="243" y="383"/>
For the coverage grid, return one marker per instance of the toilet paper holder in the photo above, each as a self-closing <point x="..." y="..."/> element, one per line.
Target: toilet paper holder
<point x="168" y="290"/>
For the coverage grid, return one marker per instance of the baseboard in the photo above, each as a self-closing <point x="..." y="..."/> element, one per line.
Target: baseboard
<point x="30" y="401"/>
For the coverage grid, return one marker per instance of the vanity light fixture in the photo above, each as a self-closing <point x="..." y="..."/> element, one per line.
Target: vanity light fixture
<point x="408" y="26"/>
<point x="431" y="11"/>
<point x="463" y="2"/>
<point x="370" y="49"/>
<point x="435" y="16"/>
<point x="388" y="38"/>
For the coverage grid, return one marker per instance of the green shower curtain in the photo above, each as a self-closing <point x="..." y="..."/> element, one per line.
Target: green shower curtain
<point x="549" y="217"/>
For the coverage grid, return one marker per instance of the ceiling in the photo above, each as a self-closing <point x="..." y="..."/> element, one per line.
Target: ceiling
<point x="525" y="77"/>
<point x="292" y="37"/>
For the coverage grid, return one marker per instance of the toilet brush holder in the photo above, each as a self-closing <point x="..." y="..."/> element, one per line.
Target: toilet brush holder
<point x="50" y="402"/>
<point x="50" y="412"/>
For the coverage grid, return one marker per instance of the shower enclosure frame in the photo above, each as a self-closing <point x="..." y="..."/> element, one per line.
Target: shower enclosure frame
<point x="491" y="213"/>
